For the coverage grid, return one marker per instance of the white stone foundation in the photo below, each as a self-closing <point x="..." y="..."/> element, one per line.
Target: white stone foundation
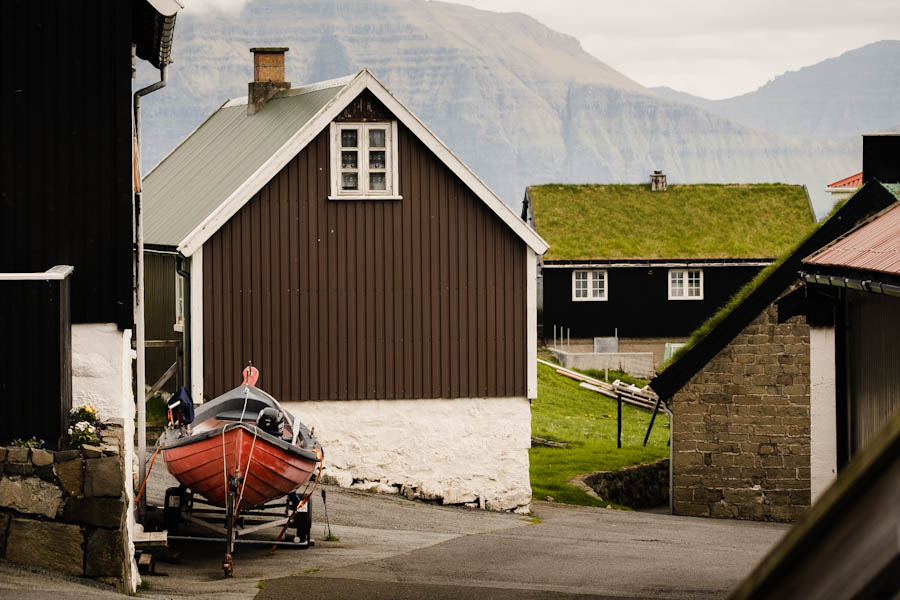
<point x="460" y="451"/>
<point x="101" y="375"/>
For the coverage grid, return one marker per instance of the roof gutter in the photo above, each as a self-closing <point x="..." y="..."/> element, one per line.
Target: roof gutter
<point x="862" y="285"/>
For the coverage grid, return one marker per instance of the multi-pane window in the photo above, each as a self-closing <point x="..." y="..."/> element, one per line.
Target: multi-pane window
<point x="685" y="284"/>
<point x="588" y="285"/>
<point x="364" y="160"/>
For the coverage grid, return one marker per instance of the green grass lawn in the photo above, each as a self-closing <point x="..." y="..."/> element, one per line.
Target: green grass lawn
<point x="586" y="420"/>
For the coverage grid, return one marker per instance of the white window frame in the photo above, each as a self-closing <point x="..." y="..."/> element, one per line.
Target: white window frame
<point x="592" y="274"/>
<point x="392" y="178"/>
<point x="685" y="274"/>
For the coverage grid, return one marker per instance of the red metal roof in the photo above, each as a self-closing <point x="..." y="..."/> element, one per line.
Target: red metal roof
<point x="854" y="181"/>
<point x="874" y="246"/>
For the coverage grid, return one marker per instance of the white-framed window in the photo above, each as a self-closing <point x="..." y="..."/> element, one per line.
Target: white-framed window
<point x="589" y="285"/>
<point x="364" y="161"/>
<point x="685" y="284"/>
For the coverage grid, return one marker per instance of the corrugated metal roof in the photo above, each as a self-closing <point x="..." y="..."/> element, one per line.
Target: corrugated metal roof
<point x="212" y="162"/>
<point x="853" y="181"/>
<point x="875" y="246"/>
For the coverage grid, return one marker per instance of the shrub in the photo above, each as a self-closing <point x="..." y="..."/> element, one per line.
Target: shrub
<point x="82" y="433"/>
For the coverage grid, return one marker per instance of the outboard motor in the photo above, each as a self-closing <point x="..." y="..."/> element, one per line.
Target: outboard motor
<point x="271" y="420"/>
<point x="181" y="408"/>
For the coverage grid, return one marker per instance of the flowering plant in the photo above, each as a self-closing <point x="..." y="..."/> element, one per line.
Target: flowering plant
<point x="84" y="413"/>
<point x="32" y="443"/>
<point x="82" y="433"/>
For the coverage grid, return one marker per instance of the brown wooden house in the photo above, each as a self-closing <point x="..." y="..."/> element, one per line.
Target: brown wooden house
<point x="385" y="293"/>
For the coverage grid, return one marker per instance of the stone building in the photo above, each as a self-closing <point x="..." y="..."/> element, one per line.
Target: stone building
<point x="744" y="419"/>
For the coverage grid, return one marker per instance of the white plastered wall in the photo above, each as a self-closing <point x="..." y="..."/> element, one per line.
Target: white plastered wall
<point x="101" y="375"/>
<point x="459" y="451"/>
<point x="822" y="410"/>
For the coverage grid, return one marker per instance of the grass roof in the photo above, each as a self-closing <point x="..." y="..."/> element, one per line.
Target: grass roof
<point x="582" y="222"/>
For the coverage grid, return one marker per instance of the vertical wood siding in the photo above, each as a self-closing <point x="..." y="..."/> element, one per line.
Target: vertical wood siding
<point x="418" y="298"/>
<point x="874" y="349"/>
<point x="65" y="156"/>
<point x="36" y="379"/>
<point x="159" y="316"/>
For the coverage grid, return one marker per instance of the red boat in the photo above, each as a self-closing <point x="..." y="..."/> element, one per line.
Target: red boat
<point x="241" y="451"/>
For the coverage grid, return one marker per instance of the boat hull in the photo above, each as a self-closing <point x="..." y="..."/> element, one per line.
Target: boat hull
<point x="269" y="471"/>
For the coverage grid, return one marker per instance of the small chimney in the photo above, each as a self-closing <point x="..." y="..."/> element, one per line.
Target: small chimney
<point x="881" y="157"/>
<point x="268" y="77"/>
<point x="658" y="181"/>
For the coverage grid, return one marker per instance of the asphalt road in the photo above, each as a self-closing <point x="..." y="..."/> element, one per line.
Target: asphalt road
<point x="390" y="547"/>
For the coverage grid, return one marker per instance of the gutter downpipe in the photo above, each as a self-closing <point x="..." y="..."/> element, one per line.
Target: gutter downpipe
<point x="179" y="268"/>
<point x="140" y="330"/>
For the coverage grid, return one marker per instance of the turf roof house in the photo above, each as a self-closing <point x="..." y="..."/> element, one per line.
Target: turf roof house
<point x="385" y="293"/>
<point x="655" y="261"/>
<point x="777" y="392"/>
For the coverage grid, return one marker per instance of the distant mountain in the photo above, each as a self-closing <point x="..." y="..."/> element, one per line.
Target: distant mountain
<point x="518" y="102"/>
<point x="854" y="93"/>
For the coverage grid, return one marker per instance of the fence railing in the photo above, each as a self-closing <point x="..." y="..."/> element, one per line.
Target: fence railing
<point x="35" y="354"/>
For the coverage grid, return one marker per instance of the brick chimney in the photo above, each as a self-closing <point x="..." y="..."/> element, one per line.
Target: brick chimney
<point x="881" y="157"/>
<point x="657" y="181"/>
<point x="268" y="77"/>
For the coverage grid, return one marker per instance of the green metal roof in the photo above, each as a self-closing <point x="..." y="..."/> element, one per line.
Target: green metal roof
<point x="216" y="159"/>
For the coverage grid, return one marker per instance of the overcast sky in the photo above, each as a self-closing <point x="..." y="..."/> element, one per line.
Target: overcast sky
<point x="711" y="48"/>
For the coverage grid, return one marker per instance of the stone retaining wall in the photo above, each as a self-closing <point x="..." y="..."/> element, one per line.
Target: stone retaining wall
<point x="640" y="486"/>
<point x="66" y="510"/>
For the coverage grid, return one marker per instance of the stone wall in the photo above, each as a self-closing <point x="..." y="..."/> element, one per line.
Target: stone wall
<point x="640" y="486"/>
<point x="741" y="427"/>
<point x="67" y="510"/>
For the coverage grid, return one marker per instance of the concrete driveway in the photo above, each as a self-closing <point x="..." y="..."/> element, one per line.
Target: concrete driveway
<point x="394" y="548"/>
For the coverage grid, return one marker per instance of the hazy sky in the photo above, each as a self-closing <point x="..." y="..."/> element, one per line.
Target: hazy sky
<point x="712" y="48"/>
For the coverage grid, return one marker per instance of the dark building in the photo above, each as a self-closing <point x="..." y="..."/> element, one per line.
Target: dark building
<point x="655" y="261"/>
<point x="67" y="238"/>
<point x="331" y="239"/>
<point x="785" y="388"/>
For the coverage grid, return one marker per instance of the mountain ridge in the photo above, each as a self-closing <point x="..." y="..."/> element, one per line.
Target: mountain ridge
<point x="518" y="102"/>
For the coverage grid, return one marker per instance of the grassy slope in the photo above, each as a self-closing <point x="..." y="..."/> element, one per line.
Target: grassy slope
<point x="587" y="421"/>
<point x="686" y="221"/>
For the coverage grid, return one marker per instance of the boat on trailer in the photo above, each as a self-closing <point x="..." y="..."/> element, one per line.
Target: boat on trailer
<point x="241" y="452"/>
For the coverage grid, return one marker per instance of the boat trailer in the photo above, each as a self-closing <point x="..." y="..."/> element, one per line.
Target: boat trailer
<point x="292" y="513"/>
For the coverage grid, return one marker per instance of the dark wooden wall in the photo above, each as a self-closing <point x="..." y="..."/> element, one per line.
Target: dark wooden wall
<point x="418" y="298"/>
<point x="65" y="156"/>
<point x="159" y="316"/>
<point x="873" y="355"/>
<point x="36" y="359"/>
<point x="638" y="304"/>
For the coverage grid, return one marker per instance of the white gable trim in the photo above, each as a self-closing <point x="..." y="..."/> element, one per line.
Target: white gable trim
<point x="500" y="208"/>
<point x="363" y="80"/>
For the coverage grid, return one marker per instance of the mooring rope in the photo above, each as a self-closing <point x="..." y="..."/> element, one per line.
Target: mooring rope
<point x="247" y="471"/>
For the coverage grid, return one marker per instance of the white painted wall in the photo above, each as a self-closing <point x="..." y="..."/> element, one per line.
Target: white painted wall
<point x="101" y="375"/>
<point x="461" y="451"/>
<point x="822" y="410"/>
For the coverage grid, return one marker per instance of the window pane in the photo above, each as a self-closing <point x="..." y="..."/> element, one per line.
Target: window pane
<point x="349" y="181"/>
<point x="376" y="138"/>
<point x="377" y="182"/>
<point x="581" y="284"/>
<point x="348" y="159"/>
<point x="349" y="138"/>
<point x="677" y="283"/>
<point x="694" y="286"/>
<point x="376" y="159"/>
<point x="598" y="284"/>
